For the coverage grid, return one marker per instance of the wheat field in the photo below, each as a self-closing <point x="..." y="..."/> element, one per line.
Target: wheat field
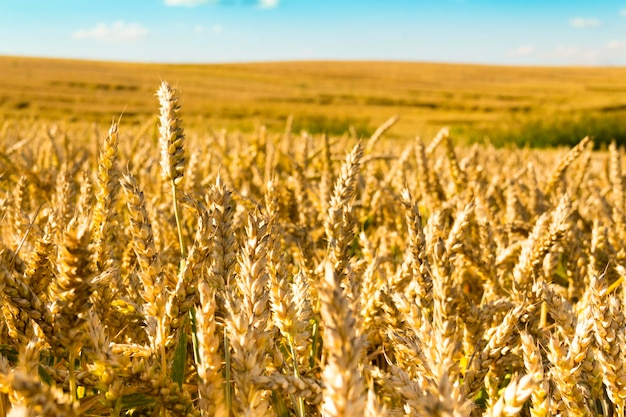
<point x="227" y="274"/>
<point x="541" y="106"/>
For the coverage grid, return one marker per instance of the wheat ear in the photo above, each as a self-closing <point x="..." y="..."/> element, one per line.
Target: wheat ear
<point x="172" y="139"/>
<point x="344" y="389"/>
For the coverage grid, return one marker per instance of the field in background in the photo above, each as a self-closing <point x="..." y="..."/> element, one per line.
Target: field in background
<point x="508" y="104"/>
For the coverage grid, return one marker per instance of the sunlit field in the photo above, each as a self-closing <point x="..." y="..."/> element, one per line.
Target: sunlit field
<point x="340" y="262"/>
<point x="503" y="105"/>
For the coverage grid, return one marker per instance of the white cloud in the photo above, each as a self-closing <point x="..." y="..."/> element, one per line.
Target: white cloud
<point x="199" y="29"/>
<point x="187" y="3"/>
<point x="576" y="53"/>
<point x="261" y="4"/>
<point x="623" y="12"/>
<point x="116" y="32"/>
<point x="523" y="50"/>
<point x="268" y="4"/>
<point x="584" y="22"/>
<point x="609" y="53"/>
<point x="616" y="44"/>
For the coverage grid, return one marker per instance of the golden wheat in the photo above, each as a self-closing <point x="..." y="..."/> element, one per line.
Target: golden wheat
<point x="412" y="280"/>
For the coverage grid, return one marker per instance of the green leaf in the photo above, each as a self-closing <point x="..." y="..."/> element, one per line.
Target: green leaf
<point x="9" y="352"/>
<point x="279" y="405"/>
<point x="136" y="400"/>
<point x="315" y="344"/>
<point x="180" y="359"/>
<point x="45" y="376"/>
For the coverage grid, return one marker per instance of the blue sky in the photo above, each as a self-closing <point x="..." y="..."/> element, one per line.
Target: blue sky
<point x="530" y="32"/>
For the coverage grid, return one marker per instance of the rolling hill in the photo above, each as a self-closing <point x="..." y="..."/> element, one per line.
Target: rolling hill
<point x="322" y="96"/>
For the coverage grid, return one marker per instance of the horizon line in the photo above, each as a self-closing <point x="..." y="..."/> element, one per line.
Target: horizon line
<point x="320" y="60"/>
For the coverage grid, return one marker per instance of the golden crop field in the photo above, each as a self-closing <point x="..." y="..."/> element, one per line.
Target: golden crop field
<point x="561" y="105"/>
<point x="190" y="272"/>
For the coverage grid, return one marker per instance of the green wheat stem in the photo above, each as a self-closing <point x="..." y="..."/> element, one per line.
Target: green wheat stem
<point x="194" y="334"/>
<point x="179" y="227"/>
<point x="72" y="376"/>
<point x="296" y="373"/>
<point x="227" y="387"/>
<point x="314" y="345"/>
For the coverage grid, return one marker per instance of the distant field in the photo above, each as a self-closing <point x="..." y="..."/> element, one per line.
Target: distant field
<point x="330" y="96"/>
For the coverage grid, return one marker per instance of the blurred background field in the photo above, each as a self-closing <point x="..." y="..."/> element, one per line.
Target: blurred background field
<point x="536" y="106"/>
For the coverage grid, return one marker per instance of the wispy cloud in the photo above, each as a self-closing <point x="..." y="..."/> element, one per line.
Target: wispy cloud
<point x="623" y="12"/>
<point x="189" y="3"/>
<point x="523" y="50"/>
<point x="584" y="22"/>
<point x="616" y="44"/>
<point x="261" y="4"/>
<point x="602" y="54"/>
<point x="268" y="4"/>
<point x="116" y="32"/>
<point x="577" y="55"/>
<point x="199" y="29"/>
